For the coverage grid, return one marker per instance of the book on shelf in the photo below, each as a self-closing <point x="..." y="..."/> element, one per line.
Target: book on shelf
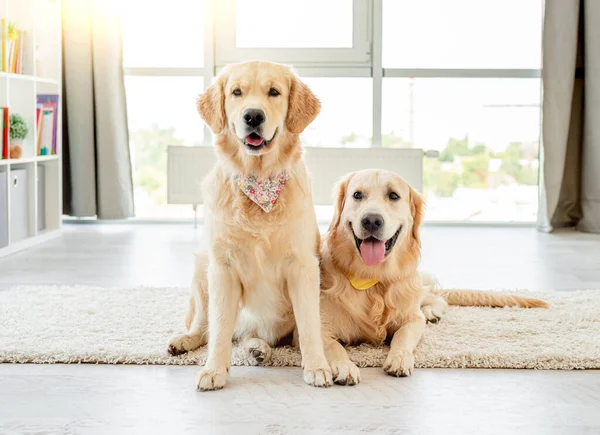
<point x="3" y="36"/>
<point x="12" y="47"/>
<point x="38" y="129"/>
<point x="5" y="131"/>
<point x="46" y="122"/>
<point x="20" y="55"/>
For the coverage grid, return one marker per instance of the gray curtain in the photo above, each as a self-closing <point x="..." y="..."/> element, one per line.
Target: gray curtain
<point x="97" y="174"/>
<point x="570" y="158"/>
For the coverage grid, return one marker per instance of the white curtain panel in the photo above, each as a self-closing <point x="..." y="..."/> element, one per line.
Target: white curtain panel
<point x="570" y="169"/>
<point x="97" y="165"/>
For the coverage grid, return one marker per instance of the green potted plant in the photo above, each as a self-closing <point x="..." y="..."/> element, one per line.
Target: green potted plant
<point x="18" y="132"/>
<point x="18" y="129"/>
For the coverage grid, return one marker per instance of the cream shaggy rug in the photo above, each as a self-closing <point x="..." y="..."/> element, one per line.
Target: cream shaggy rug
<point x="70" y="324"/>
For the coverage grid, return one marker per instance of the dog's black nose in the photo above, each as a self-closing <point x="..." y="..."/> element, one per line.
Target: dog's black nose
<point x="254" y="117"/>
<point x="372" y="222"/>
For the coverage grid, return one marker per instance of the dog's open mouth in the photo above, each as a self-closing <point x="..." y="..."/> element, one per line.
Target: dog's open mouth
<point x="255" y="141"/>
<point x="373" y="250"/>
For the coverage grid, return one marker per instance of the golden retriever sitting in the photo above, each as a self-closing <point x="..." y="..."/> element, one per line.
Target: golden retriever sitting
<point x="371" y="289"/>
<point x="260" y="279"/>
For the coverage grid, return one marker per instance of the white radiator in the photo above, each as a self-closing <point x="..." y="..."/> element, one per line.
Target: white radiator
<point x="187" y="166"/>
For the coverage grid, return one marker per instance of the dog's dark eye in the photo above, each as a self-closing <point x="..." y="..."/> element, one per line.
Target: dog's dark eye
<point x="273" y="92"/>
<point x="358" y="195"/>
<point x="237" y="92"/>
<point x="394" y="196"/>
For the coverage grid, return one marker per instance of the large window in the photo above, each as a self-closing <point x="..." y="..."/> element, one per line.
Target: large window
<point x="461" y="77"/>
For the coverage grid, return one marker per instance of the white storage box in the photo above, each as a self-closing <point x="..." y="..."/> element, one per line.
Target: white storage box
<point x="18" y="205"/>
<point x="41" y="196"/>
<point x="3" y="210"/>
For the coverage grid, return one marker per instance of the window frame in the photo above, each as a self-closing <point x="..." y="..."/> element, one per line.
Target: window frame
<point x="364" y="59"/>
<point x="356" y="56"/>
<point x="325" y="63"/>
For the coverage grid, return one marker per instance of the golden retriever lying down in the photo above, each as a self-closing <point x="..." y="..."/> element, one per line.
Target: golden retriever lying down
<point x="260" y="278"/>
<point x="371" y="289"/>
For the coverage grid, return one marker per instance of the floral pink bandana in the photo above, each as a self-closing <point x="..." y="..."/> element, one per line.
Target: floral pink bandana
<point x="263" y="192"/>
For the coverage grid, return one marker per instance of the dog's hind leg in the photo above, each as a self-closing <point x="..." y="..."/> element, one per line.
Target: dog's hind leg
<point x="259" y="351"/>
<point x="433" y="307"/>
<point x="196" y="336"/>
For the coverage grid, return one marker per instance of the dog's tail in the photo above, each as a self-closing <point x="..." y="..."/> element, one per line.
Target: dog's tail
<point x="477" y="298"/>
<point x="474" y="298"/>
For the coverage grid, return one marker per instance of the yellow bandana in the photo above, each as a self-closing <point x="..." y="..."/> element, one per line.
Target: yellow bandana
<point x="362" y="284"/>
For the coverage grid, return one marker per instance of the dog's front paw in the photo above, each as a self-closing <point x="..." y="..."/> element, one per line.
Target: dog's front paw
<point x="401" y="364"/>
<point x="212" y="379"/>
<point x="345" y="372"/>
<point x="318" y="375"/>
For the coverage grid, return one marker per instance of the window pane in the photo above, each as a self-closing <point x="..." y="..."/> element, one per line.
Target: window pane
<point x="161" y="112"/>
<point x="346" y="112"/>
<point x="486" y="131"/>
<point x="462" y="33"/>
<point x="157" y="35"/>
<point x="290" y="24"/>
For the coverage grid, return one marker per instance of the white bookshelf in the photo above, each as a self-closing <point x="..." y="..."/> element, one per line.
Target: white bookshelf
<point x="42" y="64"/>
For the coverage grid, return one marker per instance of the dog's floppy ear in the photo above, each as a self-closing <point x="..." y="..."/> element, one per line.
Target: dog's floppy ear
<point x="211" y="106"/>
<point x="303" y="107"/>
<point x="416" y="210"/>
<point x="339" y="197"/>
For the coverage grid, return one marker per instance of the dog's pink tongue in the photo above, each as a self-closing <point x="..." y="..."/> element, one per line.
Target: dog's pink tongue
<point x="372" y="252"/>
<point x="254" y="140"/>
